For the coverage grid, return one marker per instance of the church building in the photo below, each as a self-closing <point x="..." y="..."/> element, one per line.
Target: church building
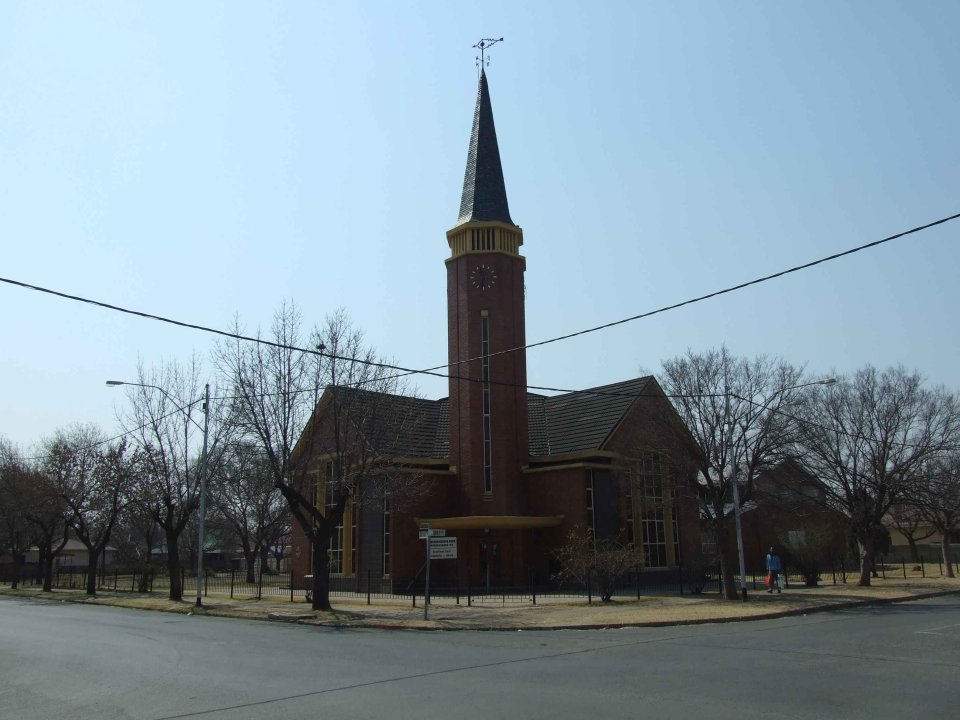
<point x="511" y="474"/>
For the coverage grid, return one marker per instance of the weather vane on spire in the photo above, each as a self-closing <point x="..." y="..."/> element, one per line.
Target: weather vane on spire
<point x="483" y="60"/>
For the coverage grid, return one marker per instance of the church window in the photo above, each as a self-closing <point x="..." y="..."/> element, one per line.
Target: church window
<point x="485" y="377"/>
<point x="386" y="538"/>
<point x="675" y="519"/>
<point x="591" y="520"/>
<point x="335" y="552"/>
<point x="652" y="517"/>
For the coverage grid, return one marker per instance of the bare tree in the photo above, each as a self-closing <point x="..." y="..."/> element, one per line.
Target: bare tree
<point x="94" y="480"/>
<point x="586" y="559"/>
<point x="328" y="442"/>
<point x="136" y="534"/>
<point x="16" y="531"/>
<point x="164" y="417"/>
<point x="738" y="412"/>
<point x="936" y="493"/>
<point x="906" y="517"/>
<point x="865" y="438"/>
<point x="48" y="513"/>
<point x="245" y="496"/>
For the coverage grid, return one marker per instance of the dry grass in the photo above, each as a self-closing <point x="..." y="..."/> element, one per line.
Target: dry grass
<point x="547" y="613"/>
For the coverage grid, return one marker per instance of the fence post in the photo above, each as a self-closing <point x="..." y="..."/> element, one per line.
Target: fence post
<point x="133" y="582"/>
<point x="232" y="572"/>
<point x="923" y="573"/>
<point x="291" y="581"/>
<point x="883" y="567"/>
<point x="115" y="575"/>
<point x="940" y="565"/>
<point x="469" y="591"/>
<point x="833" y="571"/>
<point x="904" y="563"/>
<point x="413" y="594"/>
<point x="206" y="582"/>
<point x="260" y="584"/>
<point x="843" y="571"/>
<point x="589" y="589"/>
<point x="368" y="587"/>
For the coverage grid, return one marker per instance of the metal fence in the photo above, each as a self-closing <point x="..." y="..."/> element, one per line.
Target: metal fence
<point x="637" y="584"/>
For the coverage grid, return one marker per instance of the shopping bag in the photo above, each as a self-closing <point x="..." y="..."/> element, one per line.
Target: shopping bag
<point x="769" y="579"/>
<point x="780" y="581"/>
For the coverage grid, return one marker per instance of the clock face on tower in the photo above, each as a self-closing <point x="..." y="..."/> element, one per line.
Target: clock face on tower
<point x="483" y="277"/>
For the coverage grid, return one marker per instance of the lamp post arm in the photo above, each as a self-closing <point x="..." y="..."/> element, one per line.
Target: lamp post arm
<point x="185" y="409"/>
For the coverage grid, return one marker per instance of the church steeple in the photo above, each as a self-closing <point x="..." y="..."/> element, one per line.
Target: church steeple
<point x="485" y="324"/>
<point x="484" y="196"/>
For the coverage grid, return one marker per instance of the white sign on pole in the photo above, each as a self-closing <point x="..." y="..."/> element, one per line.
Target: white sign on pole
<point x="443" y="548"/>
<point x="434" y="532"/>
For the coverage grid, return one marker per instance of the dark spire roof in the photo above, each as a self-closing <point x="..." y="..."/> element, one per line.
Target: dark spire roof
<point x="484" y="194"/>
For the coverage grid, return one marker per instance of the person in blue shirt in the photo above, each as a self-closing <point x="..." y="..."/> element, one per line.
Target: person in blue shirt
<point x="774" y="567"/>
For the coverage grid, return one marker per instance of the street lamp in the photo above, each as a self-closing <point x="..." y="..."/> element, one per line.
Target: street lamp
<point x="203" y="467"/>
<point x="733" y="468"/>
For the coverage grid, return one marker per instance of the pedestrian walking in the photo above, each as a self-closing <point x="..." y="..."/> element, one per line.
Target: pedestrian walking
<point x="774" y="566"/>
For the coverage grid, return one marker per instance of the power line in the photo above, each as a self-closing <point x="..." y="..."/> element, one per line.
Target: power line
<point x="432" y="370"/>
<point x="835" y="430"/>
<point x="125" y="433"/>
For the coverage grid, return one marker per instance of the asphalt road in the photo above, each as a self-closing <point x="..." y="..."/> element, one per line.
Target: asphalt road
<point x="79" y="662"/>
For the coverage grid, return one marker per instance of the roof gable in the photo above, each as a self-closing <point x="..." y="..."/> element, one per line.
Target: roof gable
<point x="582" y="420"/>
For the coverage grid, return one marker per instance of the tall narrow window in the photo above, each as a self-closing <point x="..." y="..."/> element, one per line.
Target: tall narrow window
<point x="386" y="538"/>
<point x="677" y="560"/>
<point x="485" y="377"/>
<point x="652" y="519"/>
<point x="336" y="542"/>
<point x="591" y="520"/>
<point x="354" y="531"/>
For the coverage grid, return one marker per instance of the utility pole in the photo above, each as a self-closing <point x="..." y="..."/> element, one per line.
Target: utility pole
<point x="733" y="479"/>
<point x="203" y="494"/>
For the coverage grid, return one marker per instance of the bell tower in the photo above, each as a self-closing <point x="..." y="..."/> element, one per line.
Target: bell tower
<point x="485" y="317"/>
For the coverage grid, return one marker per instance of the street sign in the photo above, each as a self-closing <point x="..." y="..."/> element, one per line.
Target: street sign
<point x="443" y="548"/>
<point x="435" y="532"/>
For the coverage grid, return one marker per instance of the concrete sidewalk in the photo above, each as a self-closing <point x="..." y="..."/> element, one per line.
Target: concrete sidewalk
<point x="551" y="613"/>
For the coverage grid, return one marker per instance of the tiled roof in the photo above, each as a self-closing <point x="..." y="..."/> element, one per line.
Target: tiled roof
<point x="572" y="422"/>
<point x="579" y="421"/>
<point x="402" y="425"/>
<point x="484" y="193"/>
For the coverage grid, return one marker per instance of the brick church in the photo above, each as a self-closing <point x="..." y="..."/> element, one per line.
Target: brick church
<point x="512" y="473"/>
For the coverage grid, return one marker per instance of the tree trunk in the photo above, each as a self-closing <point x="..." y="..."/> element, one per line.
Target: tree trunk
<point x="92" y="553"/>
<point x="17" y="568"/>
<point x="945" y="549"/>
<point x="48" y="572"/>
<point x="914" y="551"/>
<point x="867" y="553"/>
<point x="43" y="552"/>
<point x="250" y="558"/>
<point x="173" y="565"/>
<point x="728" y="564"/>
<point x="321" y="570"/>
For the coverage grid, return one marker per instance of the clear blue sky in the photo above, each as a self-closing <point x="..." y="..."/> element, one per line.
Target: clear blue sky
<point x="200" y="160"/>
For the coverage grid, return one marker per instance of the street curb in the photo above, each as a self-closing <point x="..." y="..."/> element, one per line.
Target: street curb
<point x="650" y="623"/>
<point x="313" y="621"/>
